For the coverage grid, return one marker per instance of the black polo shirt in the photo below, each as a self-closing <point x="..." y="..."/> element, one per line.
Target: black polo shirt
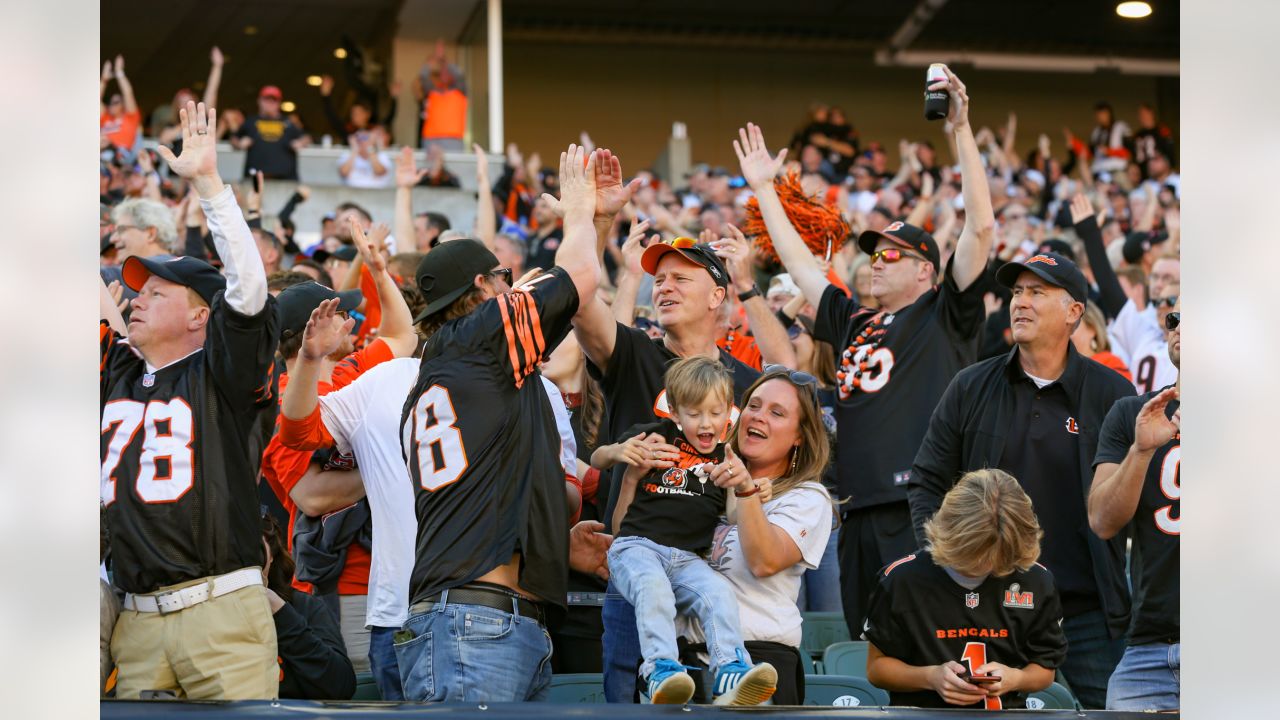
<point x="1042" y="451"/>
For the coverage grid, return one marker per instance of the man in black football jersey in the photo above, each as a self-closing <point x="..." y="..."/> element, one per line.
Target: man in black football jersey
<point x="690" y="285"/>
<point x="481" y="446"/>
<point x="972" y="620"/>
<point x="894" y="362"/>
<point x="180" y="401"/>
<point x="1137" y="478"/>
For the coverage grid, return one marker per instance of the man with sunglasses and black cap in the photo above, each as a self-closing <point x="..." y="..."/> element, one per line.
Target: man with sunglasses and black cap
<point x="183" y="399"/>
<point x="894" y="362"/>
<point x="1036" y="413"/>
<point x="1137" y="478"/>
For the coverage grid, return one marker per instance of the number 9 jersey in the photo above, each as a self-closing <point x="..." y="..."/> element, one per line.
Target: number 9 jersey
<point x="179" y="472"/>
<point x="482" y="447"/>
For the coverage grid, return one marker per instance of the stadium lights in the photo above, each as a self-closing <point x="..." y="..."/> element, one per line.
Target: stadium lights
<point x="288" y="106"/>
<point x="1133" y="10"/>
<point x="314" y="80"/>
<point x="340" y="53"/>
<point x="250" y="29"/>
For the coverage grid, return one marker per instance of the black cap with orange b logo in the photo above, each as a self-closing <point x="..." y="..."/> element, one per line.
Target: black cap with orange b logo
<point x="1050" y="267"/>
<point x="905" y="235"/>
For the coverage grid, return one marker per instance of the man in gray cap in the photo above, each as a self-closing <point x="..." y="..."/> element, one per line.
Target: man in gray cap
<point x="1036" y="414"/>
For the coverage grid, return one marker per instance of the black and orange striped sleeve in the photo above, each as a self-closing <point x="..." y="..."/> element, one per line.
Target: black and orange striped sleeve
<point x="535" y="318"/>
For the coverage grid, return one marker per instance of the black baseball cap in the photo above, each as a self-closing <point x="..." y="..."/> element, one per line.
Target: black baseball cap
<point x="691" y="250"/>
<point x="1059" y="246"/>
<point x="906" y="235"/>
<point x="449" y="270"/>
<point x="1136" y="244"/>
<point x="346" y="253"/>
<point x="187" y="271"/>
<point x="295" y="304"/>
<point x="1051" y="267"/>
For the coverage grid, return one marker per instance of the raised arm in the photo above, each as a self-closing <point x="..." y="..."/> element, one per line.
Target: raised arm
<point x="771" y="337"/>
<point x="630" y="274"/>
<point x="198" y="164"/>
<point x="974" y="246"/>
<point x="407" y="175"/>
<point x="321" y="337"/>
<point x="486" y="219"/>
<point x="1116" y="489"/>
<point x="1111" y="294"/>
<point x="759" y="169"/>
<point x="577" y="204"/>
<point x="102" y="86"/>
<point x="215" y="78"/>
<point x="396" y="328"/>
<point x="126" y="88"/>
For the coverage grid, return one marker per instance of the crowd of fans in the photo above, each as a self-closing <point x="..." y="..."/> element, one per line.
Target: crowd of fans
<point x="943" y="393"/>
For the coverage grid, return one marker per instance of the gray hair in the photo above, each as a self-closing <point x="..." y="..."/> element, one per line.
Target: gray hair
<point x="149" y="214"/>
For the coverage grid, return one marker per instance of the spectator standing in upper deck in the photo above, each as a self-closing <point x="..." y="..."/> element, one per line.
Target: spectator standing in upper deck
<point x="270" y="140"/>
<point x="119" y="118"/>
<point x="443" y="92"/>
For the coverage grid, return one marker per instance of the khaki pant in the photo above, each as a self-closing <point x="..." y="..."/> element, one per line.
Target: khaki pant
<point x="222" y="649"/>
<point x="108" y="611"/>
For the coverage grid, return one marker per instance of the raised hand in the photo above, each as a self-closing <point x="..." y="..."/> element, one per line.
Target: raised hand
<point x="1152" y="429"/>
<point x="325" y="331"/>
<point x="758" y="167"/>
<point x="215" y="57"/>
<point x="199" y="158"/>
<point x="1081" y="208"/>
<point x="119" y="68"/>
<point x="958" y="114"/>
<point x="370" y="246"/>
<point x="106" y="71"/>
<point x="407" y="172"/>
<point x="326" y="85"/>
<point x="611" y="194"/>
<point x="737" y="256"/>
<point x="633" y="248"/>
<point x="482" y="165"/>
<point x="577" y="185"/>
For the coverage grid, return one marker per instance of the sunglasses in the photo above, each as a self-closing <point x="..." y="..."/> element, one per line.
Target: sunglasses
<point x="892" y="255"/>
<point x="643" y="323"/>
<point x="1172" y="320"/>
<point x="681" y="243"/>
<point x="504" y="273"/>
<point x="1168" y="302"/>
<point x="797" y="377"/>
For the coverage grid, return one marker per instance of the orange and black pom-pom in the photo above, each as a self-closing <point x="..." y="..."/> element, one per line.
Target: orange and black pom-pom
<point x="819" y="225"/>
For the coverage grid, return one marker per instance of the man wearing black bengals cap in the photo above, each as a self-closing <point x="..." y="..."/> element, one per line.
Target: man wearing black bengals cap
<point x="481" y="443"/>
<point x="183" y="399"/>
<point x="894" y="361"/>
<point x="1036" y="413"/>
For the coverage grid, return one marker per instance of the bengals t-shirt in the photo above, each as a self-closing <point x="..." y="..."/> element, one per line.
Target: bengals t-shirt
<point x="677" y="507"/>
<point x="122" y="131"/>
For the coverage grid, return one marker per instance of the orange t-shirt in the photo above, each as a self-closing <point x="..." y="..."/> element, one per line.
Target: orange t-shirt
<point x="372" y="305"/>
<point x="1112" y="362"/>
<point x="283" y="467"/>
<point x="121" y="131"/>
<point x="446" y="114"/>
<point x="743" y="347"/>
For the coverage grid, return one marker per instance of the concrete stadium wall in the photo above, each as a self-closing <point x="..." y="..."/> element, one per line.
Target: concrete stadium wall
<point x="627" y="98"/>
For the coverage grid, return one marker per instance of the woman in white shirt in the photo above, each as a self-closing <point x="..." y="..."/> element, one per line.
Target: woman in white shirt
<point x="779" y="520"/>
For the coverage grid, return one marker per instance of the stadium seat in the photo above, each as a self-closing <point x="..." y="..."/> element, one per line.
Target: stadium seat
<point x="842" y="691"/>
<point x="821" y="629"/>
<point x="811" y="666"/>
<point x="1054" y="697"/>
<point x="577" y="688"/>
<point x="366" y="688"/>
<point x="846" y="658"/>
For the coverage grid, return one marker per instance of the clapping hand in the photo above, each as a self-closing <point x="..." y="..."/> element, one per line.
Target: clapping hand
<point x="325" y="331"/>
<point x="611" y="194"/>
<point x="758" y="167"/>
<point x="1152" y="429"/>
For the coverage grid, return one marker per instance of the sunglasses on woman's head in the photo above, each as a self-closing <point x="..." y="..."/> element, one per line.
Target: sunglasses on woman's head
<point x="799" y="377"/>
<point x="1172" y="320"/>
<point x="892" y="255"/>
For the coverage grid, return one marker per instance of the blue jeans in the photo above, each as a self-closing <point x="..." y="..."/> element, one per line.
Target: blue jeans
<point x="472" y="653"/>
<point x="1092" y="656"/>
<point x="1147" y="678"/>
<point x="621" y="647"/>
<point x="382" y="662"/>
<point x="660" y="581"/>
<point x="820" y="587"/>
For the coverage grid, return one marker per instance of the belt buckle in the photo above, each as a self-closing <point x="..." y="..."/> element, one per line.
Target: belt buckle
<point x="170" y="602"/>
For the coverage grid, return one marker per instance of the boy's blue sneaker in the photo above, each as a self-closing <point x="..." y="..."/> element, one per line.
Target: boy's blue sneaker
<point x="669" y="684"/>
<point x="738" y="683"/>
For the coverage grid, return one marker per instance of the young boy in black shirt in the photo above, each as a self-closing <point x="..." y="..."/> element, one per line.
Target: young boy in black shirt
<point x="972" y="620"/>
<point x="666" y="513"/>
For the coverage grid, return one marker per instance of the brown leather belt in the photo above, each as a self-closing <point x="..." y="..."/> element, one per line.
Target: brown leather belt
<point x="484" y="597"/>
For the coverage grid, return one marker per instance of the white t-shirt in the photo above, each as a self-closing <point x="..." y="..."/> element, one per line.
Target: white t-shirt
<point x="1137" y="339"/>
<point x="361" y="175"/>
<point x="364" y="419"/>
<point x="767" y="607"/>
<point x="568" y="445"/>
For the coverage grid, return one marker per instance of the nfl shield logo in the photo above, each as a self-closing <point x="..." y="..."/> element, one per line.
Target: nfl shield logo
<point x="971" y="600"/>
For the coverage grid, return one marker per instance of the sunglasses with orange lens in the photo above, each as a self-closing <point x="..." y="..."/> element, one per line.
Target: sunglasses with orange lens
<point x="892" y="255"/>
